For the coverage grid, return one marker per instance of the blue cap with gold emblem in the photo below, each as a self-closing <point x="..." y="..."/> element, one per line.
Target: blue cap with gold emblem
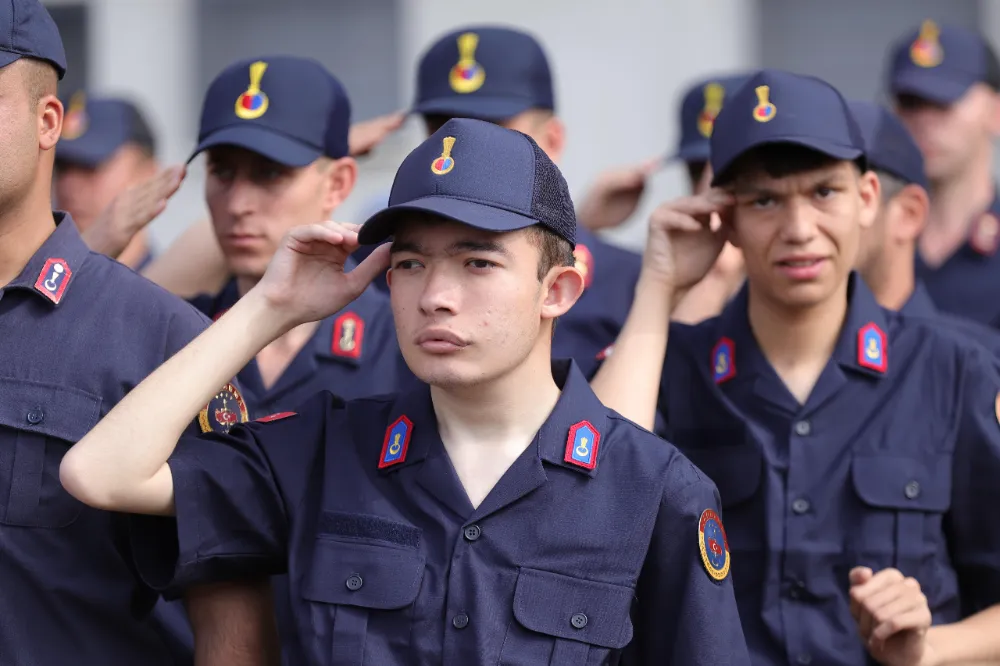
<point x="28" y="31"/>
<point x="94" y="129"/>
<point x="288" y="109"/>
<point x="889" y="145"/>
<point x="482" y="175"/>
<point x="939" y="63"/>
<point x="776" y="107"/>
<point x="699" y="109"/>
<point x="490" y="73"/>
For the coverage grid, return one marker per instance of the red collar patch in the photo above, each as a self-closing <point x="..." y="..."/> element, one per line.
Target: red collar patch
<point x="985" y="235"/>
<point x="581" y="445"/>
<point x="871" y="348"/>
<point x="348" y="335"/>
<point x="270" y="418"/>
<point x="723" y="360"/>
<point x="396" y="443"/>
<point x="53" y="279"/>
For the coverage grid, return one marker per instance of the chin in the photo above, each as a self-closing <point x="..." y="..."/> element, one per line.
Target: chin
<point x="447" y="372"/>
<point x="805" y="295"/>
<point x="246" y="266"/>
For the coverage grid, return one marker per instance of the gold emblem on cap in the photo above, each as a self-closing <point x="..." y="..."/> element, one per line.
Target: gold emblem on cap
<point x="75" y="120"/>
<point x="764" y="112"/>
<point x="714" y="94"/>
<point x="445" y="162"/>
<point x="926" y="49"/>
<point x="467" y="75"/>
<point x="253" y="103"/>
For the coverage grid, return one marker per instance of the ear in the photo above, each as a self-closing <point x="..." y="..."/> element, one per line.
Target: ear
<point x="870" y="191"/>
<point x="910" y="217"/>
<point x="50" y="119"/>
<point x="564" y="286"/>
<point x="554" y="135"/>
<point x="341" y="175"/>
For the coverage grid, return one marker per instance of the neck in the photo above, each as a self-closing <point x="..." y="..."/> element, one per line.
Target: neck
<point x="135" y="251"/>
<point x="892" y="280"/>
<point x="957" y="202"/>
<point x="23" y="229"/>
<point x="244" y="283"/>
<point x="493" y="413"/>
<point x="789" y="336"/>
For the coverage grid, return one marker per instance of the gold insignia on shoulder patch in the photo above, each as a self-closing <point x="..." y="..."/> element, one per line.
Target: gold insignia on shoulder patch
<point x="225" y="410"/>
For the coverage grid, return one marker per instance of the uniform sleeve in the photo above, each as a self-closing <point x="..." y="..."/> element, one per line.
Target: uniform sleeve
<point x="973" y="523"/>
<point x="233" y="501"/>
<point x="686" y="610"/>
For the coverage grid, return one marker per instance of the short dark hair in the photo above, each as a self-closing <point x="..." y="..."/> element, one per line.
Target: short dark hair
<point x="891" y="185"/>
<point x="696" y="169"/>
<point x="779" y="160"/>
<point x="41" y="79"/>
<point x="555" y="250"/>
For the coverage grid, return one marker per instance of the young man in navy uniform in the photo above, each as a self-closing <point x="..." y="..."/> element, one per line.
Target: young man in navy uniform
<point x="888" y="247"/>
<point x="503" y="76"/>
<point x="945" y="81"/>
<point x="853" y="447"/>
<point x="106" y="147"/>
<point x="496" y="514"/>
<point x="69" y="594"/>
<point x="275" y="135"/>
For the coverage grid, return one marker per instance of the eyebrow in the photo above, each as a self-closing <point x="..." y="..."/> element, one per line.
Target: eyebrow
<point x="743" y="189"/>
<point x="455" y="248"/>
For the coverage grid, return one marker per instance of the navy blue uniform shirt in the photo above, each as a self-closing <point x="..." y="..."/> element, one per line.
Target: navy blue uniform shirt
<point x="79" y="331"/>
<point x="920" y="305"/>
<point x="598" y="537"/>
<point x="967" y="284"/>
<point x="891" y="462"/>
<point x="352" y="354"/>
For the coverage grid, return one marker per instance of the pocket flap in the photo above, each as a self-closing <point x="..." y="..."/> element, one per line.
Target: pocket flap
<point x="56" y="411"/>
<point x="355" y="573"/>
<point x="575" y="609"/>
<point x="894" y="482"/>
<point x="735" y="470"/>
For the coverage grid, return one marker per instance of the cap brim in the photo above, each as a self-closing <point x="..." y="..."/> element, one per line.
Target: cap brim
<point x="381" y="225"/>
<point x="263" y="141"/>
<point x="478" y="108"/>
<point x="930" y="86"/>
<point x="6" y="58"/>
<point x="85" y="152"/>
<point x="835" y="150"/>
<point x="691" y="153"/>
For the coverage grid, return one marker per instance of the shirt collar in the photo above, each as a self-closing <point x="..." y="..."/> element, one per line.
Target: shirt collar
<point x="342" y="337"/>
<point x="572" y="436"/>
<point x="919" y="304"/>
<point x="56" y="265"/>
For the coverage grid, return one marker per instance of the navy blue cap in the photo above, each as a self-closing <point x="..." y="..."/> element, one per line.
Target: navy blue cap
<point x="485" y="72"/>
<point x="28" y="31"/>
<point x="93" y="129"/>
<point x="288" y="109"/>
<point x="700" y="107"/>
<point x="888" y="144"/>
<point x="482" y="175"/>
<point x="780" y="107"/>
<point x="940" y="63"/>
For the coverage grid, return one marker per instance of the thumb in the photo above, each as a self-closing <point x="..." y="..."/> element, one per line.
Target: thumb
<point x="860" y="575"/>
<point x="369" y="269"/>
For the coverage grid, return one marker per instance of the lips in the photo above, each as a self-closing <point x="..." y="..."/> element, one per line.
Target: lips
<point x="440" y="336"/>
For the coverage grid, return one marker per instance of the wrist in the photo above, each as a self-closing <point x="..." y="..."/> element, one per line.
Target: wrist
<point x="267" y="319"/>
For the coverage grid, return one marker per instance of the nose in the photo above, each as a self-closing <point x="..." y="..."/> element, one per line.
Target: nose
<point x="440" y="292"/>
<point x="800" y="222"/>
<point x="240" y="197"/>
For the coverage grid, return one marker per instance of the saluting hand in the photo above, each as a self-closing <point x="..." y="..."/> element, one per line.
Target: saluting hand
<point x="615" y="195"/>
<point x="686" y="236"/>
<point x="306" y="281"/>
<point x="893" y="617"/>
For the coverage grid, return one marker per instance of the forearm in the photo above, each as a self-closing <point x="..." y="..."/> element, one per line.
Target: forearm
<point x="192" y="265"/>
<point x="234" y="623"/>
<point x="103" y="238"/>
<point x="705" y="300"/>
<point x="974" y="641"/>
<point x="120" y="464"/>
<point x="629" y="379"/>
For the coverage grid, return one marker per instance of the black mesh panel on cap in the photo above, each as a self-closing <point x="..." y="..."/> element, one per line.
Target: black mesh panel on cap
<point x="551" y="204"/>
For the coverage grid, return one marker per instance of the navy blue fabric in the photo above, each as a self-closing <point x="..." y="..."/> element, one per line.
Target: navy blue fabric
<point x="877" y="469"/>
<point x="28" y="31"/>
<point x="699" y="108"/>
<point x="101" y="126"/>
<point x="938" y="63"/>
<point x="888" y="144"/>
<point x="71" y="350"/>
<point x="560" y="564"/>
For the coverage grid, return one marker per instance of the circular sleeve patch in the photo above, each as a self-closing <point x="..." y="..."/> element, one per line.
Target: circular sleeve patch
<point x="223" y="411"/>
<point x="713" y="545"/>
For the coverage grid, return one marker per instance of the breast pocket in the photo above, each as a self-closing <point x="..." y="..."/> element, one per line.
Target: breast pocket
<point x="38" y="424"/>
<point x="356" y="583"/>
<point x="903" y="502"/>
<point x="566" y="621"/>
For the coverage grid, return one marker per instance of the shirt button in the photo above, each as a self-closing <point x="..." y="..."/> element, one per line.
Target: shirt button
<point x="800" y="506"/>
<point x="804" y="659"/>
<point x="472" y="532"/>
<point x="460" y="621"/>
<point x="579" y="621"/>
<point x="354" y="582"/>
<point x="796" y="590"/>
<point x="802" y="428"/>
<point x="912" y="490"/>
<point x="35" y="416"/>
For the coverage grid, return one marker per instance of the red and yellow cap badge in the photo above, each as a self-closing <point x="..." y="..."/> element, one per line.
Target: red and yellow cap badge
<point x="714" y="93"/>
<point x="444" y="162"/>
<point x="985" y="236"/>
<point x="467" y="75"/>
<point x="764" y="111"/>
<point x="253" y="102"/>
<point x="75" y="120"/>
<point x="926" y="51"/>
